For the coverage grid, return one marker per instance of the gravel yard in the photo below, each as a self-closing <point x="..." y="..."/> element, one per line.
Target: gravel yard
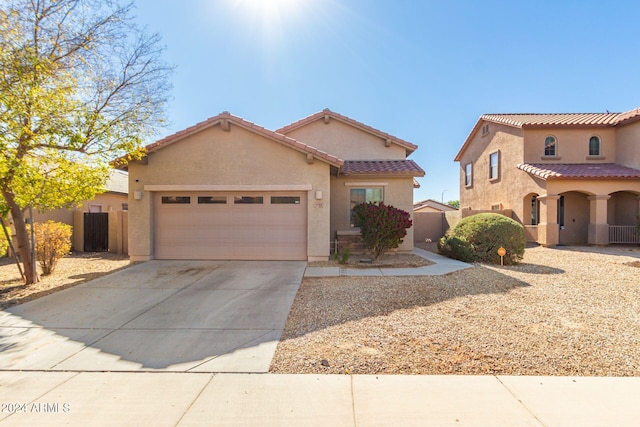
<point x="565" y="311"/>
<point x="72" y="270"/>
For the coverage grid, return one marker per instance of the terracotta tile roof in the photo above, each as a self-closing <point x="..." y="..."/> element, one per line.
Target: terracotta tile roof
<point x="225" y="118"/>
<point x="381" y="167"/>
<point x="332" y="114"/>
<point x="562" y="119"/>
<point x="629" y="115"/>
<point x="566" y="120"/>
<point x="580" y="171"/>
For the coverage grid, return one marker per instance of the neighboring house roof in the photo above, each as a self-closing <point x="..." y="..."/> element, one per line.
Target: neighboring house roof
<point x="225" y="119"/>
<point x="562" y="120"/>
<point x="327" y="114"/>
<point x="381" y="167"/>
<point x="432" y="204"/>
<point x="118" y="182"/>
<point x="591" y="171"/>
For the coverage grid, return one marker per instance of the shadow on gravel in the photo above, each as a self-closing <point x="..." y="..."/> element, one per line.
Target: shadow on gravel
<point x="615" y="250"/>
<point x="528" y="268"/>
<point x="325" y="302"/>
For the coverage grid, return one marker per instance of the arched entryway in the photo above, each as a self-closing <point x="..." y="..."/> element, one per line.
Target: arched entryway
<point x="531" y="216"/>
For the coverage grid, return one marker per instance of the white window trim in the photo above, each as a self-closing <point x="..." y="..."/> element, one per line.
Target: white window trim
<point x="361" y="186"/>
<point x="494" y="178"/>
<point x="470" y="175"/>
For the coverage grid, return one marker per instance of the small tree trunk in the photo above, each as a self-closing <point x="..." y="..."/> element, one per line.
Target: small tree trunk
<point x="22" y="236"/>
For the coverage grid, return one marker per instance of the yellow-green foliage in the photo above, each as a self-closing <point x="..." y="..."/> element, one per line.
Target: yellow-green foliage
<point x="4" y="244"/>
<point x="53" y="241"/>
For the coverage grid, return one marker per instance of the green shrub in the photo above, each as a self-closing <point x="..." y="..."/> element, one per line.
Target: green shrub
<point x="342" y="256"/>
<point x="477" y="238"/>
<point x="382" y="226"/>
<point x="53" y="241"/>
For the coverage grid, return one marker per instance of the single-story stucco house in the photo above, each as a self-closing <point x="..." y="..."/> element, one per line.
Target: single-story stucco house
<point x="227" y="188"/>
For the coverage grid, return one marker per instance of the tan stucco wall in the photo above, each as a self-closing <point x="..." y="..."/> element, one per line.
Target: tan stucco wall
<point x="216" y="157"/>
<point x="628" y="153"/>
<point x="397" y="192"/>
<point x="572" y="145"/>
<point x="346" y="142"/>
<point x="597" y="187"/>
<point x="110" y="202"/>
<point x="512" y="185"/>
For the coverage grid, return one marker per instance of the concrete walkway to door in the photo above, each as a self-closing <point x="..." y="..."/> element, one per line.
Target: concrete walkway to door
<point x="195" y="316"/>
<point x="441" y="265"/>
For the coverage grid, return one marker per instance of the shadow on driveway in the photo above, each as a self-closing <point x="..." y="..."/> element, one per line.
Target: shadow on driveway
<point x="202" y="316"/>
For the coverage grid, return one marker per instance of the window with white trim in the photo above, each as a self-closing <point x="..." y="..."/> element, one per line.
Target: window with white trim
<point x="468" y="169"/>
<point x="364" y="195"/>
<point x="494" y="165"/>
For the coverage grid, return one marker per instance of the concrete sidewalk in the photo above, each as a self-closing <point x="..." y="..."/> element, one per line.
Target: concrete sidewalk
<point x="185" y="399"/>
<point x="441" y="265"/>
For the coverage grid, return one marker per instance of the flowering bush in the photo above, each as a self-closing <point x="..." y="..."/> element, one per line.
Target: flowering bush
<point x="382" y="226"/>
<point x="53" y="241"/>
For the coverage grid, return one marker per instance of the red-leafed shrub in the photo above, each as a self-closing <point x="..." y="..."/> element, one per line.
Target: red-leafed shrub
<point x="382" y="226"/>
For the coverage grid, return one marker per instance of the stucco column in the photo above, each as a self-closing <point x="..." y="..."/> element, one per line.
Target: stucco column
<point x="598" y="226"/>
<point x="140" y="236"/>
<point x="548" y="229"/>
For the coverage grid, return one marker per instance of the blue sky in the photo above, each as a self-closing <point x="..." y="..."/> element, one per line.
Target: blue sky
<point x="423" y="71"/>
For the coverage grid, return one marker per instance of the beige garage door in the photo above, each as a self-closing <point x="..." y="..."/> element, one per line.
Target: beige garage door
<point x="251" y="226"/>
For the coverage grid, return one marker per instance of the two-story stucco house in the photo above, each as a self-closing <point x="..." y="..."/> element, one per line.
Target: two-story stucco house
<point x="227" y="188"/>
<point x="569" y="178"/>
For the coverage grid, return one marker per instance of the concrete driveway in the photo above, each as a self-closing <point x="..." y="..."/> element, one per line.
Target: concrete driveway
<point x="197" y="316"/>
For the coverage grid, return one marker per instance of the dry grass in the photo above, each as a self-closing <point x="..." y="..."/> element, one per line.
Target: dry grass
<point x="72" y="270"/>
<point x="568" y="311"/>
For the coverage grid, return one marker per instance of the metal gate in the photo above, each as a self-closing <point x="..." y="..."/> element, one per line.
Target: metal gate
<point x="96" y="232"/>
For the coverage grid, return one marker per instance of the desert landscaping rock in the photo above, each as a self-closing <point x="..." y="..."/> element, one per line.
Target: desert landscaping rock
<point x="72" y="270"/>
<point x="565" y="311"/>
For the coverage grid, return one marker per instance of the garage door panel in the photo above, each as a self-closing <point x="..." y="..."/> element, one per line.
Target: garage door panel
<point x="231" y="231"/>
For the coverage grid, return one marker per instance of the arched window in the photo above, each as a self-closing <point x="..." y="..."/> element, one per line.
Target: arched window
<point x="550" y="146"/>
<point x="594" y="146"/>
